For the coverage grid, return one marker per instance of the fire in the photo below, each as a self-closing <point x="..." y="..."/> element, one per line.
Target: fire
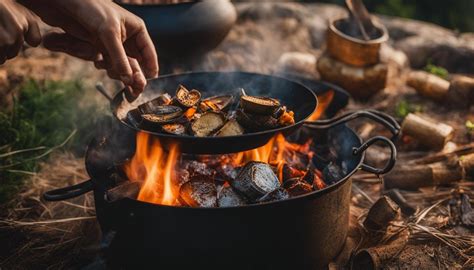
<point x="158" y="169"/>
<point x="324" y="101"/>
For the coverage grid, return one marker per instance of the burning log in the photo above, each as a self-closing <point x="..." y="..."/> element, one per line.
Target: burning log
<point x="428" y="85"/>
<point x="430" y="134"/>
<point x="276" y="195"/>
<point x="255" y="180"/>
<point x="198" y="194"/>
<point x="461" y="92"/>
<point x="207" y="124"/>
<point x="231" y="128"/>
<point x="467" y="164"/>
<point x="381" y="214"/>
<point x="375" y="257"/>
<point x="296" y="187"/>
<point x="227" y="197"/>
<point x="412" y="177"/>
<point x="125" y="190"/>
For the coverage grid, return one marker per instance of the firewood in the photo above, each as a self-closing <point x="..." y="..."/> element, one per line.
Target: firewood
<point x="227" y="197"/>
<point x="255" y="179"/>
<point x="397" y="197"/>
<point x="461" y="92"/>
<point x="428" y="85"/>
<point x="430" y="134"/>
<point x="412" y="177"/>
<point x="198" y="194"/>
<point x="381" y="214"/>
<point x="467" y="164"/>
<point x="276" y="195"/>
<point x="376" y="257"/>
<point x="298" y="187"/>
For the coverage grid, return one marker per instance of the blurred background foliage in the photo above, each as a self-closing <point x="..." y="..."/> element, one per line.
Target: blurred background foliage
<point x="456" y="14"/>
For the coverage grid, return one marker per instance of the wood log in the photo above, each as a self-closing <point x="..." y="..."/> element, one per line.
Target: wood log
<point x="467" y="164"/>
<point x="381" y="214"/>
<point x="428" y="133"/>
<point x="412" y="177"/>
<point x="227" y="197"/>
<point x="255" y="179"/>
<point x="461" y="92"/>
<point x="397" y="197"/>
<point x="428" y="85"/>
<point x="376" y="257"/>
<point x="125" y="190"/>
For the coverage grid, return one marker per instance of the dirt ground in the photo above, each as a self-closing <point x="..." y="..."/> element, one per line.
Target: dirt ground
<point x="40" y="235"/>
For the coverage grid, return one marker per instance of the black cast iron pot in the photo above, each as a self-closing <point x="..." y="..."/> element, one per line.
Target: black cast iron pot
<point x="303" y="232"/>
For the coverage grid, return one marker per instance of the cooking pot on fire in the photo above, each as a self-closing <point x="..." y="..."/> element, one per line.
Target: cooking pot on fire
<point x="303" y="232"/>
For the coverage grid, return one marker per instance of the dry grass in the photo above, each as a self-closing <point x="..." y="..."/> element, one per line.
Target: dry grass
<point x="40" y="235"/>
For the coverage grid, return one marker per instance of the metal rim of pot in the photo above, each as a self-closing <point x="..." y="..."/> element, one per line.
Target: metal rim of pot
<point x="378" y="25"/>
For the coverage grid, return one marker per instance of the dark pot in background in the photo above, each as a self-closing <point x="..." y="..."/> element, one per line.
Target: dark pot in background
<point x="186" y="30"/>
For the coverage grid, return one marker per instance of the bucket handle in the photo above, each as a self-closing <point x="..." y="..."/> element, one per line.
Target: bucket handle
<point x="69" y="192"/>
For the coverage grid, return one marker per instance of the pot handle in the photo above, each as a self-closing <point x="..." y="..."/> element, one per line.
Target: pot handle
<point x="391" y="161"/>
<point x="382" y="118"/>
<point x="101" y="88"/>
<point x="69" y="192"/>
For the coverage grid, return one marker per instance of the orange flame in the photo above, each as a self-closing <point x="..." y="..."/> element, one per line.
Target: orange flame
<point x="156" y="168"/>
<point x="323" y="103"/>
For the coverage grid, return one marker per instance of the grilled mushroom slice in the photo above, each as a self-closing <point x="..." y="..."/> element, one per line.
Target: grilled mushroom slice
<point x="216" y="103"/>
<point x="198" y="194"/>
<point x="259" y="105"/>
<point x="174" y="128"/>
<point x="151" y="106"/>
<point x="227" y="197"/>
<point x="256" y="122"/>
<point x="208" y="123"/>
<point x="255" y="180"/>
<point x="163" y="114"/>
<point x="231" y="128"/>
<point x="187" y="98"/>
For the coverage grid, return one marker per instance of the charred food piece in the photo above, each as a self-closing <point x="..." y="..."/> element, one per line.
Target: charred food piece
<point x="134" y="118"/>
<point x="187" y="98"/>
<point x="256" y="122"/>
<point x="198" y="194"/>
<point x="151" y="106"/>
<point x="287" y="118"/>
<point x="207" y="124"/>
<point x="255" y="179"/>
<point x="278" y="194"/>
<point x="231" y="128"/>
<point x="227" y="197"/>
<point x="163" y="114"/>
<point x="174" y="128"/>
<point x="259" y="105"/>
<point x="216" y="103"/>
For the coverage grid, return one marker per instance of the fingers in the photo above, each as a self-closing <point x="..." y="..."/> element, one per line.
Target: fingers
<point x="66" y="43"/>
<point x="33" y="34"/>
<point x="118" y="58"/>
<point x="146" y="53"/>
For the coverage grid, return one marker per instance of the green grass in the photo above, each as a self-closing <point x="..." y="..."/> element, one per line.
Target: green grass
<point x="403" y="108"/>
<point x="46" y="116"/>
<point x="437" y="70"/>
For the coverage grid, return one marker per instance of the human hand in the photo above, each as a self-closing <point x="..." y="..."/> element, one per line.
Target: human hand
<point x="17" y="24"/>
<point x="103" y="32"/>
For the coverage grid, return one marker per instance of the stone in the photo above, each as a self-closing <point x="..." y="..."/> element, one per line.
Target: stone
<point x="297" y="63"/>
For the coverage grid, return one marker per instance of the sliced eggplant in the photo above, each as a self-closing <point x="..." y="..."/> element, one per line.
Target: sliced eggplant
<point x="187" y="98"/>
<point x="198" y="194"/>
<point x="256" y="122"/>
<point x="255" y="179"/>
<point x="259" y="105"/>
<point x="208" y="123"/>
<point x="227" y="197"/>
<point x="134" y="118"/>
<point x="231" y="128"/>
<point x="174" y="128"/>
<point x="163" y="114"/>
<point x="151" y="106"/>
<point x="216" y="103"/>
